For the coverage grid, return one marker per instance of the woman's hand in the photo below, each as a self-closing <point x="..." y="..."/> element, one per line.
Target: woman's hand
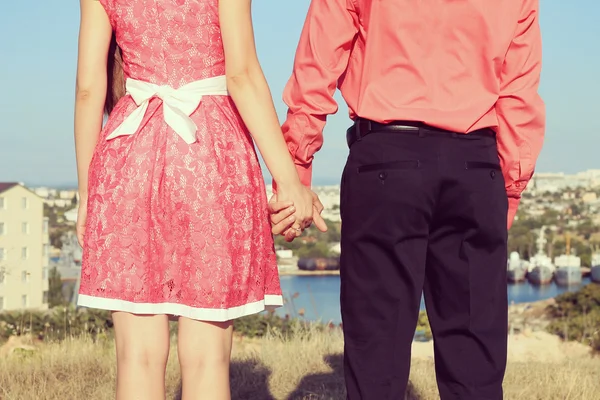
<point x="301" y="198"/>
<point x="282" y="217"/>
<point x="81" y="220"/>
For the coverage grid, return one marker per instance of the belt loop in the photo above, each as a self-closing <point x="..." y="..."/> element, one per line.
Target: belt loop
<point x="363" y="127"/>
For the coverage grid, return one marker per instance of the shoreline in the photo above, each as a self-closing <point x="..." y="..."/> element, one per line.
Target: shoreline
<point x="299" y="272"/>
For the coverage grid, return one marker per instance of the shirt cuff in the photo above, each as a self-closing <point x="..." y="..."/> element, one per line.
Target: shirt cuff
<point x="513" y="205"/>
<point x="305" y="174"/>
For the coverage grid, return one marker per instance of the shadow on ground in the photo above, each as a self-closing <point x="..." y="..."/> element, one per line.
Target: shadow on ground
<point x="330" y="386"/>
<point x="250" y="381"/>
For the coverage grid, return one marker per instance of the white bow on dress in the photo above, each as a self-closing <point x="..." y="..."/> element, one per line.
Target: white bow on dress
<point x="178" y="104"/>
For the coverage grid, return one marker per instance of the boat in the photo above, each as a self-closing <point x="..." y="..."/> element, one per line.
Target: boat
<point x="319" y="264"/>
<point x="541" y="269"/>
<point x="568" y="267"/>
<point x="540" y="275"/>
<point x="596" y="267"/>
<point x="517" y="268"/>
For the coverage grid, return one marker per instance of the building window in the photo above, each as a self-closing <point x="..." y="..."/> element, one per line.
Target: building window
<point x="24" y="276"/>
<point x="24" y="253"/>
<point x="45" y="297"/>
<point x="2" y="254"/>
<point x="24" y="301"/>
<point x="25" y="228"/>
<point x="1" y="303"/>
<point x="46" y="250"/>
<point x="45" y="226"/>
<point x="2" y="228"/>
<point x="2" y="275"/>
<point x="24" y="203"/>
<point x="2" y="203"/>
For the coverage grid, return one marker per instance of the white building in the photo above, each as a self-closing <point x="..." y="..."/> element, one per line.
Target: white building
<point x="61" y="203"/>
<point x="554" y="182"/>
<point x="67" y="194"/>
<point x="71" y="215"/>
<point x="285" y="254"/>
<point x="24" y="249"/>
<point x="43" y="192"/>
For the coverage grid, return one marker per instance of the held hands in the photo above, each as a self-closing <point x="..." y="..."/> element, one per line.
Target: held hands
<point x="284" y="217"/>
<point x="302" y="200"/>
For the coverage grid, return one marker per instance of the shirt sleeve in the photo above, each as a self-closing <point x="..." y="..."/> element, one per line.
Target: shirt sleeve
<point x="321" y="58"/>
<point x="520" y="109"/>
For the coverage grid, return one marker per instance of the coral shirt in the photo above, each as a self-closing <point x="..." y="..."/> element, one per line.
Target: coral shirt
<point x="457" y="65"/>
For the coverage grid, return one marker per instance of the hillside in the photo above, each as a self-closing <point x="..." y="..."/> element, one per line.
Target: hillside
<point x="307" y="366"/>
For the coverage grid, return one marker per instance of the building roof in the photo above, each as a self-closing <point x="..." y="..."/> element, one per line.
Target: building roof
<point x="4" y="186"/>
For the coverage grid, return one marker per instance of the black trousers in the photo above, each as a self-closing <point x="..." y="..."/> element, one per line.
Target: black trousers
<point x="424" y="213"/>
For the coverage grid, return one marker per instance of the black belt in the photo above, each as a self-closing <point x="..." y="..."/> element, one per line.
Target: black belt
<point x="362" y="127"/>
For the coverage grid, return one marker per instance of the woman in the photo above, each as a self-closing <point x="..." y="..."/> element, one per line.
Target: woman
<point x="173" y="216"/>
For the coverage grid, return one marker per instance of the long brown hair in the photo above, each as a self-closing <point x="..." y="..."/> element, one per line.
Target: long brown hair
<point x="115" y="85"/>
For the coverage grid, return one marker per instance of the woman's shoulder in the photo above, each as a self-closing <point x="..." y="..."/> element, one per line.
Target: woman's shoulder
<point x="109" y="6"/>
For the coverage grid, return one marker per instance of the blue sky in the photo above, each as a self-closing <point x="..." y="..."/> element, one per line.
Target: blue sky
<point x="37" y="70"/>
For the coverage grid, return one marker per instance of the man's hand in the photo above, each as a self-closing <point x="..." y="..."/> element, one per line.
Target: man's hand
<point x="317" y="210"/>
<point x="282" y="217"/>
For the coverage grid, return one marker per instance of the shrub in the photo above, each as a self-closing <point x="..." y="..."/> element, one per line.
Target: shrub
<point x="423" y="328"/>
<point x="55" y="324"/>
<point x="64" y="322"/>
<point x="576" y="316"/>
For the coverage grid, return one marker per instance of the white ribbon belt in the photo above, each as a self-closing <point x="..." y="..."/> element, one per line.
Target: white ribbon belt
<point x="178" y="104"/>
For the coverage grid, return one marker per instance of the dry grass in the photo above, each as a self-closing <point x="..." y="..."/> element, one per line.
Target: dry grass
<point x="306" y="367"/>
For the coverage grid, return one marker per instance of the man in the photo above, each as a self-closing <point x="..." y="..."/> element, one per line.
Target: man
<point x="447" y="128"/>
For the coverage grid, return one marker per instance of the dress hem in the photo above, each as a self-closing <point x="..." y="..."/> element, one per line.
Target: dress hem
<point x="269" y="302"/>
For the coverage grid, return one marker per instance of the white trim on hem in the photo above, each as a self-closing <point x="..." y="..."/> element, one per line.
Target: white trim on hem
<point x="181" y="310"/>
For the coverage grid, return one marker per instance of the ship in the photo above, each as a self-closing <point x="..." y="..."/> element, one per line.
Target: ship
<point x="319" y="264"/>
<point x="568" y="267"/>
<point x="516" y="268"/>
<point x="541" y="270"/>
<point x="596" y="267"/>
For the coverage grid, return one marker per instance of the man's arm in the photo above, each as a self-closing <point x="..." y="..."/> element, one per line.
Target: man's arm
<point x="321" y="58"/>
<point x="520" y="109"/>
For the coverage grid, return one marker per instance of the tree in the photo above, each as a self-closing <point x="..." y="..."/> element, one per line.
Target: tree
<point x="55" y="294"/>
<point x="50" y="212"/>
<point x="576" y="316"/>
<point x="550" y="217"/>
<point x="586" y="229"/>
<point x="576" y="210"/>
<point x="523" y="243"/>
<point x="314" y="250"/>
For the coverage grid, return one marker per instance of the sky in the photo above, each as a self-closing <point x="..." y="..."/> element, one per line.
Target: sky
<point x="38" y="53"/>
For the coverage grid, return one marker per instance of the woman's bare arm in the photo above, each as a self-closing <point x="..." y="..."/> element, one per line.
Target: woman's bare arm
<point x="250" y="92"/>
<point x="94" y="39"/>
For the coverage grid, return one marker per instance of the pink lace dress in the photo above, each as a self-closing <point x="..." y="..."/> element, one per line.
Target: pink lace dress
<point x="177" y="220"/>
